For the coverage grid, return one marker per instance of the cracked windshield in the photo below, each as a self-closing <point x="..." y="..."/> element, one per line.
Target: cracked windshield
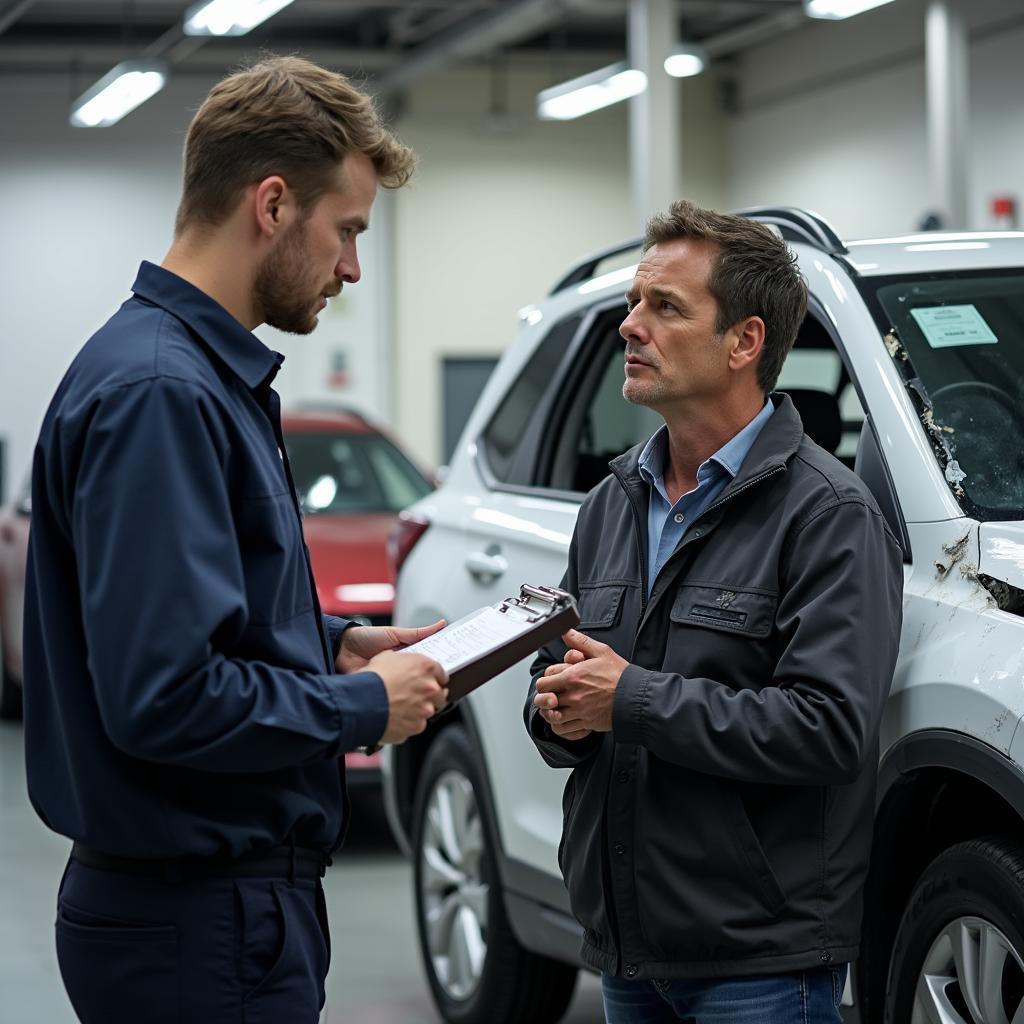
<point x="962" y="338"/>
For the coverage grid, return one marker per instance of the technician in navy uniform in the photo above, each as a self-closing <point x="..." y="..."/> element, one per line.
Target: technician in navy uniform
<point x="187" y="705"/>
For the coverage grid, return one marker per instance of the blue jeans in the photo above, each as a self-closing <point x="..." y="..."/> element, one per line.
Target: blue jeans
<point x="803" y="997"/>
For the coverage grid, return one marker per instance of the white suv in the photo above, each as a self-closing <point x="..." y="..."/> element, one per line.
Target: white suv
<point x="910" y="368"/>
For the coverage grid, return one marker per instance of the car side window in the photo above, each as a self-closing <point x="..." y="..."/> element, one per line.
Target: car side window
<point x="815" y="377"/>
<point x="331" y="474"/>
<point x="595" y="423"/>
<point x="400" y="482"/>
<point x="507" y="442"/>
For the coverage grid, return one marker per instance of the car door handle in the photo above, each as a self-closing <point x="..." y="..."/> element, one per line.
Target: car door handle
<point x="486" y="566"/>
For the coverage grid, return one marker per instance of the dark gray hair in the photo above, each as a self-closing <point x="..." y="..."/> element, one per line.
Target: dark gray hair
<point x="754" y="273"/>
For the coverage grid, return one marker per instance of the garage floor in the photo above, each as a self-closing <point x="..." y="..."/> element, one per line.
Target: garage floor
<point x="375" y="975"/>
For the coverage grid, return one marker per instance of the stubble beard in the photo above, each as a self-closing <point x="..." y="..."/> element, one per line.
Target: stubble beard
<point x="282" y="285"/>
<point x="648" y="393"/>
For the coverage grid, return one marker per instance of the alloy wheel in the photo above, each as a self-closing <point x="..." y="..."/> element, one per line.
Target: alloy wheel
<point x="453" y="893"/>
<point x="971" y="975"/>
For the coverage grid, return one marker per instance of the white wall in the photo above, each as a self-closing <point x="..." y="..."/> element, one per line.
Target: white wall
<point x="492" y="220"/>
<point x="82" y="208"/>
<point x="832" y="117"/>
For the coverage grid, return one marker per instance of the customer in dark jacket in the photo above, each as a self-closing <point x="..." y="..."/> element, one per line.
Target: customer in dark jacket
<point x="740" y="598"/>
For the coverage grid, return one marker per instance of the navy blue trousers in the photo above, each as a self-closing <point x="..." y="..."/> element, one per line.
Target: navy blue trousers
<point x="136" y="950"/>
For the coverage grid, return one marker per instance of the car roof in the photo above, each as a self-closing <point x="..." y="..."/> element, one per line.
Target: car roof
<point x="936" y="252"/>
<point x="922" y="253"/>
<point x="325" y="421"/>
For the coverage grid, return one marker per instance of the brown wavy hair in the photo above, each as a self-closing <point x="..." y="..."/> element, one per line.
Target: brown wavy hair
<point x="285" y="116"/>
<point x="754" y="273"/>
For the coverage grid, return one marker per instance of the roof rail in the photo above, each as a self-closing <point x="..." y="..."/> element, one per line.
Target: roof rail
<point x="796" y="225"/>
<point x="584" y="270"/>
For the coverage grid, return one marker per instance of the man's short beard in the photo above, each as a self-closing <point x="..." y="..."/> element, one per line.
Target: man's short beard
<point x="649" y="392"/>
<point x="282" y="283"/>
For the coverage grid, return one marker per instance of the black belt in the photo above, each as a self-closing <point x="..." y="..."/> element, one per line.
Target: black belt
<point x="277" y="862"/>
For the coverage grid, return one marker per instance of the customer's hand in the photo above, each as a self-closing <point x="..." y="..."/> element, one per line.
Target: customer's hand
<point x="361" y="643"/>
<point x="416" y="690"/>
<point x="576" y="696"/>
<point x="547" y="703"/>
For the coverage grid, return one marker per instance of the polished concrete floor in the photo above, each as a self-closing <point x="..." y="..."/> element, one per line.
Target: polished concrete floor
<point x="375" y="976"/>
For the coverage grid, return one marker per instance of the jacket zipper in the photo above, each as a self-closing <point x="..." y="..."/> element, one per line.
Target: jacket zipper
<point x="638" y="535"/>
<point x="739" y="490"/>
<point x="605" y="868"/>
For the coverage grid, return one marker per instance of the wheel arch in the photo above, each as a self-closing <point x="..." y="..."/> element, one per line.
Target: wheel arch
<point x="936" y="788"/>
<point x="403" y="774"/>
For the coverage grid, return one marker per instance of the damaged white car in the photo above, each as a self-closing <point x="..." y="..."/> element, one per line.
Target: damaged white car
<point x="910" y="368"/>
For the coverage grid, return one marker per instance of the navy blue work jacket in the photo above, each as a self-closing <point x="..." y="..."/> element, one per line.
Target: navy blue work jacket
<point x="180" y="695"/>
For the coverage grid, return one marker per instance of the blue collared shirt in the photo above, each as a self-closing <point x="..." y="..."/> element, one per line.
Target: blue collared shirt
<point x="180" y="696"/>
<point x="666" y="523"/>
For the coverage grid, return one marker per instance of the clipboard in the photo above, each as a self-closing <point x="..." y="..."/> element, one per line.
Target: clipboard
<point x="485" y="643"/>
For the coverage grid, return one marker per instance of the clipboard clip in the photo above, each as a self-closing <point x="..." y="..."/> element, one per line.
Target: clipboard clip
<point x="535" y="603"/>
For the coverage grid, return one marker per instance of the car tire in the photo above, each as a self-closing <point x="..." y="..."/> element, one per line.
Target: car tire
<point x="10" y="697"/>
<point x="477" y="971"/>
<point x="959" y="952"/>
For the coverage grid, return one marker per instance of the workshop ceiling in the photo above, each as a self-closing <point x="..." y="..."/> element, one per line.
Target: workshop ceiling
<point x="392" y="41"/>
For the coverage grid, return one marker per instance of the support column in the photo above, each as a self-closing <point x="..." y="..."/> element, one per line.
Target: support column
<point x="946" y="64"/>
<point x="654" y="129"/>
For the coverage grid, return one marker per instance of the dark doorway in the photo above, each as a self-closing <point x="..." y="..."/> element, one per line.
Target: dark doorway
<point x="463" y="380"/>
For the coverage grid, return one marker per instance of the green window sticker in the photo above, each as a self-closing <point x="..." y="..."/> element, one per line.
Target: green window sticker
<point x="949" y="326"/>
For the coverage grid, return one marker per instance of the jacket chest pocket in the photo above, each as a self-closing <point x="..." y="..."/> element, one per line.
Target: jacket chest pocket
<point x="273" y="559"/>
<point x="739" y="610"/>
<point x="600" y="606"/>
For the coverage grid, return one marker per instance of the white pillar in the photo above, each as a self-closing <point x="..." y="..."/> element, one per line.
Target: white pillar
<point x="654" y="136"/>
<point x="946" y="62"/>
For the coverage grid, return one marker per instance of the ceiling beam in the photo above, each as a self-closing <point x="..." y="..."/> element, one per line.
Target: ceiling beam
<point x="487" y="31"/>
<point x="213" y="59"/>
<point x="771" y="25"/>
<point x="11" y="12"/>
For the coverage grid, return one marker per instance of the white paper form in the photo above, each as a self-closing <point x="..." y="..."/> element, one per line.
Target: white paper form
<point x="470" y="637"/>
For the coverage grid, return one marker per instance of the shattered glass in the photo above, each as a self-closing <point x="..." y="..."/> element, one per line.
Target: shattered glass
<point x="969" y="391"/>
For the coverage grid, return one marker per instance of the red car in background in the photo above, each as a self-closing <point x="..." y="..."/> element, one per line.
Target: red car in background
<point x="351" y="480"/>
<point x="14" y="524"/>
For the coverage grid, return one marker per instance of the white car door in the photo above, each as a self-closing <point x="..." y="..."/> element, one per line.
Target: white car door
<point x="521" y="534"/>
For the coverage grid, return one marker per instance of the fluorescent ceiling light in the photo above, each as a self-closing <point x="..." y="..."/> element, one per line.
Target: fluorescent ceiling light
<point x="686" y="60"/>
<point x="117" y="93"/>
<point x="836" y="9"/>
<point x="591" y="92"/>
<point x="229" y="17"/>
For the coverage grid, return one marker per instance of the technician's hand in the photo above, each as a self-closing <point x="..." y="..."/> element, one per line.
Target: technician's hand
<point x="416" y="689"/>
<point x="361" y="643"/>
<point x="576" y="697"/>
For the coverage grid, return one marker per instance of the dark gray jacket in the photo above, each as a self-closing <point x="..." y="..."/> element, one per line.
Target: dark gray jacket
<point x="723" y="826"/>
